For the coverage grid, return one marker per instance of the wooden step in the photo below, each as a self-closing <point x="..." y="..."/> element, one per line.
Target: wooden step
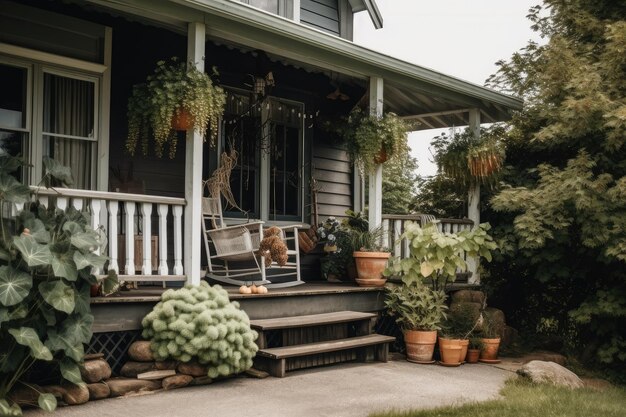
<point x="310" y="320"/>
<point x="276" y="357"/>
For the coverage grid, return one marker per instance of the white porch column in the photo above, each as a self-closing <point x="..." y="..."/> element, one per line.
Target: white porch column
<point x="473" y="197"/>
<point x="193" y="169"/>
<point x="375" y="215"/>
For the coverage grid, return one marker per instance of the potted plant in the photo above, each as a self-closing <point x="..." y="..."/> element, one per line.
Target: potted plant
<point x="337" y="263"/>
<point x="419" y="311"/>
<point x="474" y="348"/>
<point x="370" y="257"/>
<point x="462" y="320"/>
<point x="490" y="339"/>
<point x="176" y="90"/>
<point x="372" y="140"/>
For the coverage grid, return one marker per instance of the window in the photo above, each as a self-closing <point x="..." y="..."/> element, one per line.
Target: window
<point x="46" y="111"/>
<point x="268" y="137"/>
<point x="280" y="7"/>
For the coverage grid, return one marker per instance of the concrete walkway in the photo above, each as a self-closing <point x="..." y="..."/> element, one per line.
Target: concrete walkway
<point x="345" y="390"/>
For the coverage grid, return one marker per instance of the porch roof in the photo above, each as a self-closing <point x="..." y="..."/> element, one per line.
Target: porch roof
<point x="433" y="99"/>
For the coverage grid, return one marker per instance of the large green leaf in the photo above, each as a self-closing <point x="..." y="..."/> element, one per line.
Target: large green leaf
<point x="84" y="260"/>
<point x="82" y="297"/>
<point x="37" y="230"/>
<point x="78" y="327"/>
<point x="47" y="402"/>
<point x="63" y="265"/>
<point x="58" y="295"/>
<point x="27" y="336"/>
<point x="13" y="191"/>
<point x="73" y="227"/>
<point x="70" y="371"/>
<point x="85" y="240"/>
<point x="14" y="285"/>
<point x="110" y="284"/>
<point x="48" y="314"/>
<point x="55" y="169"/>
<point x="33" y="253"/>
<point x="60" y="342"/>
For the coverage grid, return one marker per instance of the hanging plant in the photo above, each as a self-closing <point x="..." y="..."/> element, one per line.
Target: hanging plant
<point x="174" y="91"/>
<point x="469" y="160"/>
<point x="372" y="140"/>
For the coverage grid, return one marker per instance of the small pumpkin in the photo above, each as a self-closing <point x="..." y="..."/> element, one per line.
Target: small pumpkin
<point x="245" y="290"/>
<point x="254" y="289"/>
<point x="261" y="290"/>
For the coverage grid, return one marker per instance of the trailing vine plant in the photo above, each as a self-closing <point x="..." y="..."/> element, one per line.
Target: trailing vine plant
<point x="47" y="261"/>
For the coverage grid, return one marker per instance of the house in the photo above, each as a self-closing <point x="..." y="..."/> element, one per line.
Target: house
<point x="67" y="69"/>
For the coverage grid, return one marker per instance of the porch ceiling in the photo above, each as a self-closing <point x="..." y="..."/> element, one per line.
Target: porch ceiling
<point x="432" y="99"/>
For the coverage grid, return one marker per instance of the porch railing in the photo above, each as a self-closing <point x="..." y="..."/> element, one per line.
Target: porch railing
<point x="127" y="220"/>
<point x="393" y="227"/>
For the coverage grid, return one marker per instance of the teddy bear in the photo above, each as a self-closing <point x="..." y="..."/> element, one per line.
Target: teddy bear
<point x="272" y="247"/>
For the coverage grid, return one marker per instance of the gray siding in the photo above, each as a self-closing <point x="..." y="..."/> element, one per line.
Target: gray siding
<point x="321" y="14"/>
<point x="333" y="172"/>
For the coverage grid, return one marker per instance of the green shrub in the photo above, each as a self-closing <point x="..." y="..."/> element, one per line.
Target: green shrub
<point x="200" y="322"/>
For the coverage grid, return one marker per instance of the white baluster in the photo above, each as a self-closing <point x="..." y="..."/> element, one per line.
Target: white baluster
<point x="17" y="207"/>
<point x="62" y="203"/>
<point x="146" y="211"/>
<point x="95" y="223"/>
<point x="397" y="232"/>
<point x="113" y="265"/>
<point x="77" y="203"/>
<point x="163" y="209"/>
<point x="129" y="268"/>
<point x="178" y="240"/>
<point x="385" y="236"/>
<point x="405" y="242"/>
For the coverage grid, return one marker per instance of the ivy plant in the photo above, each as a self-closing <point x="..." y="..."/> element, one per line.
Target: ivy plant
<point x="435" y="256"/>
<point x="47" y="261"/>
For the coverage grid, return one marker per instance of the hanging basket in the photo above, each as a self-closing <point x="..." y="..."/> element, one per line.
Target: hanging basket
<point x="381" y="157"/>
<point x="182" y="120"/>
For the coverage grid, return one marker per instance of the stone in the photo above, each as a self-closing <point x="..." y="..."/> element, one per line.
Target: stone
<point x="92" y="356"/>
<point x="255" y="373"/>
<point x="176" y="381"/>
<point x="75" y="394"/>
<point x="131" y="369"/>
<point x="25" y="394"/>
<point x="123" y="386"/>
<point x="192" y="368"/>
<point x="154" y="375"/>
<point x="140" y="351"/>
<point x="98" y="391"/>
<point x="164" y="365"/>
<point x="95" y="371"/>
<point x="201" y="380"/>
<point x="550" y="372"/>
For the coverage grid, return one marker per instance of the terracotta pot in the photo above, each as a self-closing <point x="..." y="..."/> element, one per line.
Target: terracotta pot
<point x="490" y="348"/>
<point x="464" y="345"/>
<point x="370" y="267"/>
<point x="450" y="350"/>
<point x="472" y="355"/>
<point x="381" y="157"/>
<point x="182" y="120"/>
<point x="420" y="345"/>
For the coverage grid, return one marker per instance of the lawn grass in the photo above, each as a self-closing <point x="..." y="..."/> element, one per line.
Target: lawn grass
<point x="525" y="399"/>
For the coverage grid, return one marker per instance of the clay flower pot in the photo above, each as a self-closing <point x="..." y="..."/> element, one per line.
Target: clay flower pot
<point x="182" y="120"/>
<point x="450" y="351"/>
<point x="472" y="355"/>
<point x="490" y="349"/>
<point x="370" y="267"/>
<point x="464" y="345"/>
<point x="420" y="345"/>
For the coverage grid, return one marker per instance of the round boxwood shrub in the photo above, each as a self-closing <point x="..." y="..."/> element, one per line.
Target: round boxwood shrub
<point x="201" y="323"/>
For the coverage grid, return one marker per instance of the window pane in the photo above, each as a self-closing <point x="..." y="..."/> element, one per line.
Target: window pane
<point x="68" y="106"/>
<point x="14" y="144"/>
<point x="267" y="5"/>
<point x="13" y="97"/>
<point x="75" y="154"/>
<point x="284" y="175"/>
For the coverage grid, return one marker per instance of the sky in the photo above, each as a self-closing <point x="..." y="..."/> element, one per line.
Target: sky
<point x="462" y="38"/>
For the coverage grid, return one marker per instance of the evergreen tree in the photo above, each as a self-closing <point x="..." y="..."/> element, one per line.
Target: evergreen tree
<point x="399" y="181"/>
<point x="562" y="215"/>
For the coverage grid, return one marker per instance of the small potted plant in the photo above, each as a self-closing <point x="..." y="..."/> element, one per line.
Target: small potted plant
<point x="176" y="90"/>
<point x="462" y="320"/>
<point x="474" y="348"/>
<point x="372" y="140"/>
<point x="490" y="339"/>
<point x="419" y="311"/>
<point x="370" y="257"/>
<point x="337" y="264"/>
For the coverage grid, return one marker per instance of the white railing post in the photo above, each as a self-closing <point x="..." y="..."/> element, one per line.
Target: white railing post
<point x="95" y="223"/>
<point x="62" y="203"/>
<point x="397" y="232"/>
<point x="178" y="240"/>
<point x="113" y="265"/>
<point x="146" y="211"/>
<point x="77" y="203"/>
<point x="163" y="209"/>
<point x="129" y="268"/>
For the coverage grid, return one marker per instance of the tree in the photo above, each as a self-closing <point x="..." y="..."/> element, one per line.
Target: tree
<point x="399" y="180"/>
<point x="562" y="215"/>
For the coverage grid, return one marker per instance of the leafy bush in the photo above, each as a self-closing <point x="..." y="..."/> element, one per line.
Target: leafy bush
<point x="200" y="322"/>
<point x="46" y="264"/>
<point x="416" y="307"/>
